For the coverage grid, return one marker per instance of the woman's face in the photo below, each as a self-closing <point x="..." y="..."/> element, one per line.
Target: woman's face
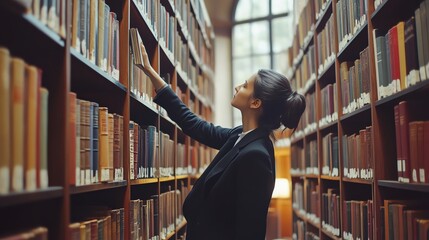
<point x="244" y="94"/>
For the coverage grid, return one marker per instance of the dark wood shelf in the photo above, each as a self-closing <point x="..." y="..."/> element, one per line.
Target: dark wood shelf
<point x="329" y="126"/>
<point x="143" y="181"/>
<point x="329" y="178"/>
<point x="328" y="234"/>
<point x="166" y="58"/>
<point x="182" y="30"/>
<point x="145" y="27"/>
<point x="194" y="53"/>
<point x="361" y="111"/>
<point x="358" y="181"/>
<point x="297" y="140"/>
<point x="353" y="47"/>
<point x="383" y="18"/>
<point x="169" y="6"/>
<point x="420" y="88"/>
<point x="88" y="77"/>
<point x="327" y="76"/>
<point x="26" y="197"/>
<point x="138" y="106"/>
<point x="311" y="134"/>
<point x="321" y="21"/>
<point x="307" y="44"/>
<point x="315" y="225"/>
<point x="170" y="235"/>
<point x="55" y="37"/>
<point x="97" y="187"/>
<point x="416" y="187"/>
<point x="312" y="176"/>
<point x="297" y="175"/>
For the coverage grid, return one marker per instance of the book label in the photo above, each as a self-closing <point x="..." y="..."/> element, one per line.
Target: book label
<point x="4" y="180"/>
<point x="422" y="73"/>
<point x="31" y="183"/>
<point x="44" y="179"/>
<point x="17" y="181"/>
<point x="422" y="175"/>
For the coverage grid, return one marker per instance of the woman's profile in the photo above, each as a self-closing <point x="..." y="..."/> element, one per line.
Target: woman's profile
<point x="231" y="198"/>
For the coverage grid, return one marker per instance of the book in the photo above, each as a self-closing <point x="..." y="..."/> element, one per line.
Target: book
<point x="72" y="141"/>
<point x="44" y="129"/>
<point x="104" y="144"/>
<point x="136" y="42"/>
<point x="5" y="122"/>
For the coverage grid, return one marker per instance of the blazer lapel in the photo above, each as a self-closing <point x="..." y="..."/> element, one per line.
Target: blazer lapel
<point x="222" y="163"/>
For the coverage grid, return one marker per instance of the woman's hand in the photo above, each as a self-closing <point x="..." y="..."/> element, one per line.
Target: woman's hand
<point x="150" y="72"/>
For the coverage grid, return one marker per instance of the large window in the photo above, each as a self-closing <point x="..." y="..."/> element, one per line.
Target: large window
<point x="261" y="34"/>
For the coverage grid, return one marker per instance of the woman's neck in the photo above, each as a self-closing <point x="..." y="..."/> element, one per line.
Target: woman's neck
<point x="250" y="122"/>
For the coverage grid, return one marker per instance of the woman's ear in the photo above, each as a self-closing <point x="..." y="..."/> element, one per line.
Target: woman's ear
<point x="256" y="103"/>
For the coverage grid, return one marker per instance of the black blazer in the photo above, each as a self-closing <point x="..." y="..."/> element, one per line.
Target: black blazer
<point x="231" y="198"/>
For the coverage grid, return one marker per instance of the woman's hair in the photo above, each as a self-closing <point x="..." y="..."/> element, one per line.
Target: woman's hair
<point x="280" y="105"/>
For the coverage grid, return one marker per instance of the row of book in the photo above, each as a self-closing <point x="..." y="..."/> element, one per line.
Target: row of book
<point x="412" y="137"/>
<point x="355" y="82"/>
<point x="309" y="119"/>
<point x="357" y="154"/>
<point x="200" y="158"/>
<point x="167" y="31"/>
<point x="405" y="219"/>
<point x="50" y="13"/>
<point x="97" y="222"/>
<point x="326" y="48"/>
<point x="330" y="161"/>
<point x="305" y="161"/>
<point x="149" y="10"/>
<point x="402" y="53"/>
<point x="97" y="139"/>
<point x="297" y="159"/>
<point x="329" y="105"/>
<point x="304" y="31"/>
<point x="298" y="202"/>
<point x="313" y="201"/>
<point x="331" y="221"/>
<point x="38" y="233"/>
<point x="307" y="71"/>
<point x="182" y="56"/>
<point x="23" y="126"/>
<point x="300" y="232"/>
<point x="358" y="220"/>
<point x="351" y="17"/>
<point x="95" y="34"/>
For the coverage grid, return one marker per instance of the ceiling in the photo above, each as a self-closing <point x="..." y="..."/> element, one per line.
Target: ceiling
<point x="220" y="12"/>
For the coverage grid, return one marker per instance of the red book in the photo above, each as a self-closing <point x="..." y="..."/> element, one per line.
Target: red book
<point x="394" y="54"/>
<point x="404" y="128"/>
<point x="426" y="151"/>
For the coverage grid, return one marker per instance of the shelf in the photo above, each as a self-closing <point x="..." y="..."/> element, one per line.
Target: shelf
<point x="182" y="177"/>
<point x="194" y="53"/>
<point x="328" y="75"/>
<point x="26" y="197"/>
<point x="166" y="54"/>
<point x="181" y="225"/>
<point x="143" y="181"/>
<point x="297" y="140"/>
<point x="312" y="176"/>
<point x="361" y="111"/>
<point x="353" y="47"/>
<point x="325" y="14"/>
<point x="415" y="187"/>
<point x="357" y="180"/>
<point x="421" y="87"/>
<point x="55" y="37"/>
<point x="169" y="6"/>
<point x="382" y="17"/>
<point x="182" y="29"/>
<point x="138" y="20"/>
<point x="328" y="126"/>
<point x="138" y="106"/>
<point x="166" y="179"/>
<point x="310" y="134"/>
<point x="86" y="76"/>
<point x="170" y="235"/>
<point x="329" y="178"/>
<point x="97" y="187"/>
<point x="297" y="175"/>
<point x="330" y="235"/>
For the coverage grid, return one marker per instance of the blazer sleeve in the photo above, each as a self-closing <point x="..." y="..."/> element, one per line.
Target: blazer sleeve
<point x="191" y="124"/>
<point x="255" y="184"/>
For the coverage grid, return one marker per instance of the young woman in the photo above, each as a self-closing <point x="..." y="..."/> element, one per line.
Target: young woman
<point x="231" y="198"/>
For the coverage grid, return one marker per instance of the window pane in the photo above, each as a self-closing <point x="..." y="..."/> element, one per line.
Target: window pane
<point x="243" y="10"/>
<point x="260" y="62"/>
<point x="281" y="62"/>
<point x="260" y="37"/>
<point x="241" y="43"/>
<point x="259" y="8"/>
<point x="242" y="70"/>
<point x="281" y="6"/>
<point x="282" y="33"/>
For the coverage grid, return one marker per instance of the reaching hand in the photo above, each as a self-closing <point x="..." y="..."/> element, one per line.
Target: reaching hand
<point x="150" y="72"/>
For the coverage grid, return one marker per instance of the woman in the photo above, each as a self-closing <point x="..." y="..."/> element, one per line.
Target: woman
<point x="231" y="198"/>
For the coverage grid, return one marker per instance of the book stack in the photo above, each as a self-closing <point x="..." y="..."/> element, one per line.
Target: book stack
<point x="358" y="155"/>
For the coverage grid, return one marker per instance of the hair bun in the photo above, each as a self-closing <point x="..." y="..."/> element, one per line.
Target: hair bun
<point x="294" y="107"/>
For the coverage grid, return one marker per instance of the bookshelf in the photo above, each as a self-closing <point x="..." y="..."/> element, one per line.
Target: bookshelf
<point x="371" y="179"/>
<point x="65" y="69"/>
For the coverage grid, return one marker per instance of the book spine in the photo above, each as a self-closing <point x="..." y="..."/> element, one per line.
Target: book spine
<point x="104" y="144"/>
<point x="5" y="121"/>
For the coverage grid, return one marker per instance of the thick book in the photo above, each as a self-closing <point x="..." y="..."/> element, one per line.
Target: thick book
<point x="111" y="132"/>
<point x="104" y="144"/>
<point x="72" y="141"/>
<point x="412" y="62"/>
<point x="95" y="143"/>
<point x="401" y="52"/>
<point x="17" y="126"/>
<point x="5" y="120"/>
<point x="77" y="149"/>
<point x="136" y="42"/>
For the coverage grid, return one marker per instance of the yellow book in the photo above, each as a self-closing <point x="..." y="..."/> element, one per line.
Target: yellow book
<point x="103" y="139"/>
<point x="5" y="132"/>
<point x="17" y="79"/>
<point x="31" y="126"/>
<point x="402" y="58"/>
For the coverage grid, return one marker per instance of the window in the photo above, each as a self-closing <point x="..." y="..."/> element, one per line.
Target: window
<point x="261" y="34"/>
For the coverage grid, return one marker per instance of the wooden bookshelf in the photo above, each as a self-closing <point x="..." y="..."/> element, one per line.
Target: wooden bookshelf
<point x="66" y="70"/>
<point x="378" y="115"/>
